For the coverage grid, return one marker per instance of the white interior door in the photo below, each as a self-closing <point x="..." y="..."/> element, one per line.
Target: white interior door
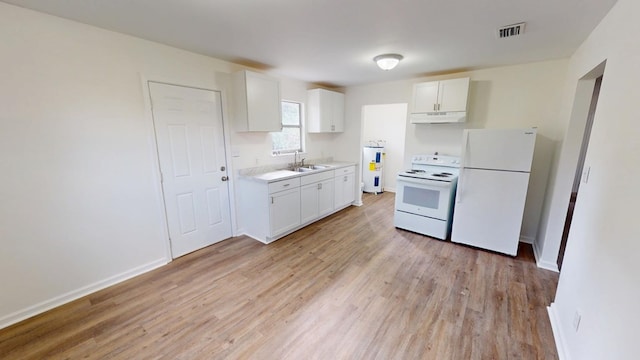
<point x="190" y="138"/>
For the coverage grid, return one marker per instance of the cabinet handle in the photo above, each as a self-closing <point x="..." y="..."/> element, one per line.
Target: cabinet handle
<point x="435" y="107"/>
<point x="345" y="178"/>
<point x="439" y="107"/>
<point x="272" y="199"/>
<point x="333" y="128"/>
<point x="319" y="186"/>
<point x="285" y="185"/>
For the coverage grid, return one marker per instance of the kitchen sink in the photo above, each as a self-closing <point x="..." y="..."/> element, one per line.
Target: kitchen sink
<point x="308" y="168"/>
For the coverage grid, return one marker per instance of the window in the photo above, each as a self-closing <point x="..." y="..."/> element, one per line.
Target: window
<point x="289" y="139"/>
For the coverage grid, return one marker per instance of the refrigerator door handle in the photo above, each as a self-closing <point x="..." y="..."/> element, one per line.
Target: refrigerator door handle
<point x="465" y="158"/>
<point x="467" y="154"/>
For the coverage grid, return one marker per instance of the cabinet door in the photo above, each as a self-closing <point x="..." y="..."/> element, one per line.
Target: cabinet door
<point x="284" y="211"/>
<point x="256" y="101"/>
<point x="325" y="111"/>
<point x="325" y="197"/>
<point x="344" y="191"/>
<point x="337" y="109"/>
<point x="263" y="103"/>
<point x="425" y="97"/>
<point x="309" y="202"/>
<point x="452" y="94"/>
<point x="349" y="191"/>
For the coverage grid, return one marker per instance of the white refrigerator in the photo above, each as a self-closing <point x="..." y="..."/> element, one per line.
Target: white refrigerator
<point x="492" y="188"/>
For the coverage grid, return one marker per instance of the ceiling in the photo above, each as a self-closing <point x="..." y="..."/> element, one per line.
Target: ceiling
<point x="333" y="42"/>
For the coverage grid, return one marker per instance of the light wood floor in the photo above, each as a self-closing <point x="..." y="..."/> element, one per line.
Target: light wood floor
<point x="348" y="287"/>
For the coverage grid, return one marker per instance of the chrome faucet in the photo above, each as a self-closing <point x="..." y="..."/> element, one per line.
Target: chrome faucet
<point x="297" y="164"/>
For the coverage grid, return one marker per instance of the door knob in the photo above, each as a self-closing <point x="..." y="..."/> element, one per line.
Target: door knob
<point x="224" y="178"/>
<point x="222" y="168"/>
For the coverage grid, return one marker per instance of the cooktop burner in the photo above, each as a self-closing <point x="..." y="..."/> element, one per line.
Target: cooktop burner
<point x="433" y="168"/>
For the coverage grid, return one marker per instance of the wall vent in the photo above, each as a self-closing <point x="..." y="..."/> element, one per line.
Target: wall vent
<point x="511" y="30"/>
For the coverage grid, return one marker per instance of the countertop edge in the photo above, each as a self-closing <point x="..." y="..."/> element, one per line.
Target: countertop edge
<point x="262" y="179"/>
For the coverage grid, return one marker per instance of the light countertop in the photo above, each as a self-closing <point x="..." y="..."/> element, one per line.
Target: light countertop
<point x="278" y="175"/>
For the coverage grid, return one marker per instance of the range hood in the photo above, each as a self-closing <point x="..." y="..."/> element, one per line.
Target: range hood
<point x="438" y="117"/>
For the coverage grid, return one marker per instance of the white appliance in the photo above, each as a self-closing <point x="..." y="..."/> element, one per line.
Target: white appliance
<point x="372" y="161"/>
<point x="492" y="189"/>
<point x="425" y="193"/>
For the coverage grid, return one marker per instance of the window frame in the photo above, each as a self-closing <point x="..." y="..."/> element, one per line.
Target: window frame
<point x="300" y="128"/>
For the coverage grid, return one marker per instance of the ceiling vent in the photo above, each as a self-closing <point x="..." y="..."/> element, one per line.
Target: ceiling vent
<point x="511" y="30"/>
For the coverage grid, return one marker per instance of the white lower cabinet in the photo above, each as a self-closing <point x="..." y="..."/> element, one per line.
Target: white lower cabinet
<point x="284" y="211"/>
<point x="316" y="196"/>
<point x="325" y="198"/>
<point x="344" y="187"/>
<point x="269" y="210"/>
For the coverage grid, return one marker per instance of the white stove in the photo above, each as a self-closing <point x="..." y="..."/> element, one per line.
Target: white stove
<point x="425" y="193"/>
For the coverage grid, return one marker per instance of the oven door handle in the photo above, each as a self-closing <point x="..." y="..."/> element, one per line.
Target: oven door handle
<point x="428" y="183"/>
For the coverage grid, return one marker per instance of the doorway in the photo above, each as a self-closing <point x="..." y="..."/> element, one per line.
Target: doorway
<point x="581" y="173"/>
<point x="385" y="124"/>
<point x="191" y="151"/>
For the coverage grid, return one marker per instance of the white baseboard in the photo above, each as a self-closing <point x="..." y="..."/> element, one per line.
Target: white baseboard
<point x="543" y="264"/>
<point x="46" y="305"/>
<point x="557" y="333"/>
<point x="526" y="240"/>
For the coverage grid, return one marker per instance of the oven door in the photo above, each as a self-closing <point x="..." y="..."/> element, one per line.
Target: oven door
<point x="423" y="197"/>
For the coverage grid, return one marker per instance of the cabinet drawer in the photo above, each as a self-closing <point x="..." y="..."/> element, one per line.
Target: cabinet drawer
<point x="313" y="178"/>
<point x="345" y="170"/>
<point x="284" y="185"/>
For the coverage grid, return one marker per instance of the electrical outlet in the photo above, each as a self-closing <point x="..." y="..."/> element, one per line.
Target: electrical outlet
<point x="576" y="320"/>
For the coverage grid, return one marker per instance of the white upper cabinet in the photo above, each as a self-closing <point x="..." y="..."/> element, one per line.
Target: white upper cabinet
<point x="440" y="101"/>
<point x="325" y="111"/>
<point x="256" y="99"/>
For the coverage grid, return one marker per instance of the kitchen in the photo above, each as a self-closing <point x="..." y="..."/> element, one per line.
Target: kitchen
<point x="511" y="96"/>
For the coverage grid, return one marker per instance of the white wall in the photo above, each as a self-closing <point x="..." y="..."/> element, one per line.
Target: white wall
<point x="80" y="197"/>
<point x="386" y="122"/>
<point x="525" y="95"/>
<point x="599" y="277"/>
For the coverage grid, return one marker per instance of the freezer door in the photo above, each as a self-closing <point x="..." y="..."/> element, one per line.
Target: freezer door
<point x="499" y="149"/>
<point x="488" y="210"/>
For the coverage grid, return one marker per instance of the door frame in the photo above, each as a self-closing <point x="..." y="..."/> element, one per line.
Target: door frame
<point x="153" y="148"/>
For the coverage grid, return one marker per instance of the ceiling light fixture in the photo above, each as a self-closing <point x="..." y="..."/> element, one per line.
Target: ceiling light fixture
<point x="387" y="61"/>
